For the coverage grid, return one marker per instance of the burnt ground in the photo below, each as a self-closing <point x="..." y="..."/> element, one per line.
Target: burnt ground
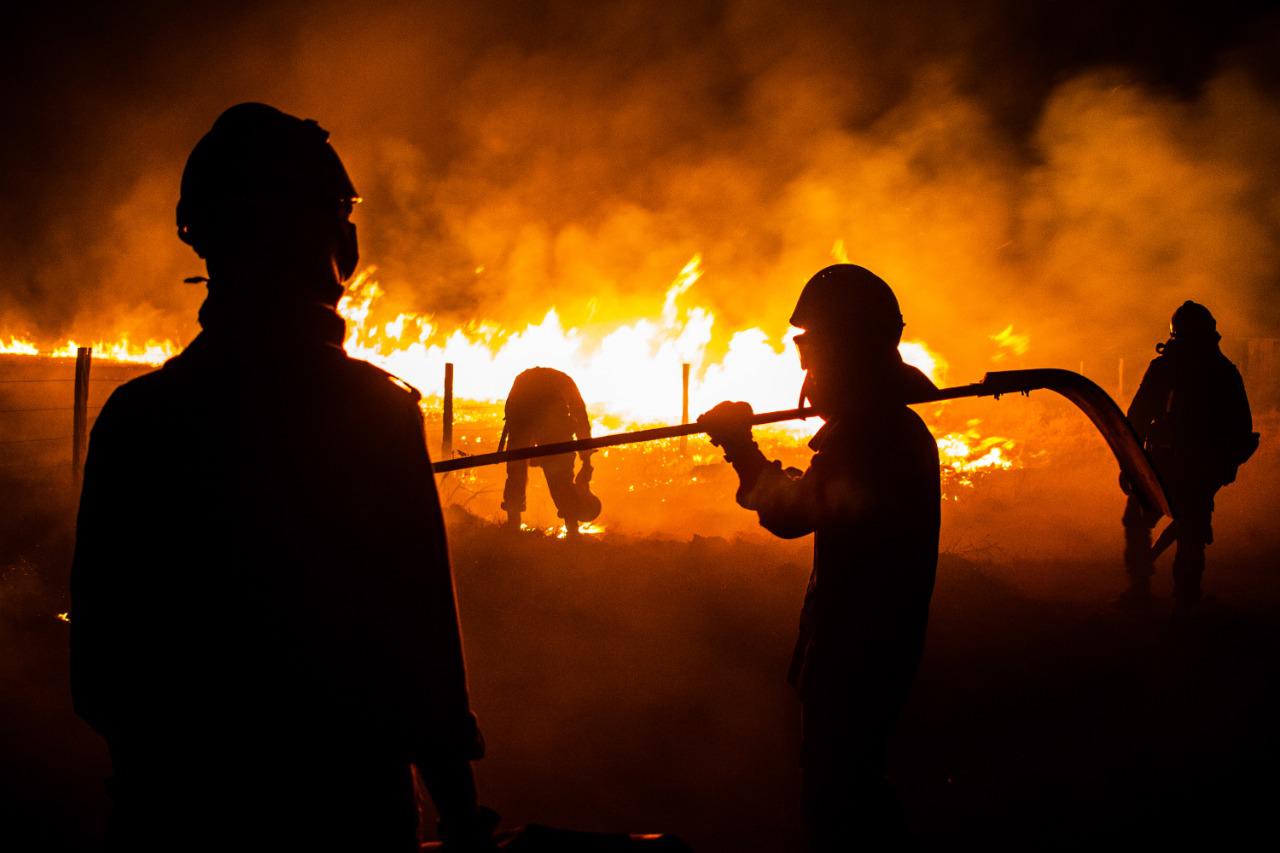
<point x="637" y="683"/>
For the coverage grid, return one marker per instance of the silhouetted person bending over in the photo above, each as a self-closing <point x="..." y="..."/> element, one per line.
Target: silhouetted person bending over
<point x="871" y="498"/>
<point x="1193" y="416"/>
<point x="263" y="619"/>
<point x="545" y="407"/>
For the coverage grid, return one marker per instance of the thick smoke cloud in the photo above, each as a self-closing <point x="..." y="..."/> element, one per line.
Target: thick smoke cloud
<point x="1075" y="172"/>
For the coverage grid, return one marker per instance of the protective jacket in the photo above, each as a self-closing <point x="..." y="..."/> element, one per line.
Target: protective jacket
<point x="544" y="406"/>
<point x="1192" y="413"/>
<point x="261" y="591"/>
<point x="871" y="498"/>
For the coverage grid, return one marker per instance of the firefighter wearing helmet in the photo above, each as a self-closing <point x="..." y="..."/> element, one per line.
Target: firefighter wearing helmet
<point x="1193" y="416"/>
<point x="273" y="644"/>
<point x="871" y="499"/>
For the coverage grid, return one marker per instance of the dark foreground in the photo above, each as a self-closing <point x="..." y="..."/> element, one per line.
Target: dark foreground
<point x="637" y="684"/>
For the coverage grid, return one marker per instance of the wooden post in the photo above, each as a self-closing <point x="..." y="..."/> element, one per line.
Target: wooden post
<point x="446" y="441"/>
<point x="684" y="407"/>
<point x="80" y="413"/>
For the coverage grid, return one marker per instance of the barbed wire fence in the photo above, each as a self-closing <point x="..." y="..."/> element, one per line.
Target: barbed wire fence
<point x="36" y="437"/>
<point x="37" y="433"/>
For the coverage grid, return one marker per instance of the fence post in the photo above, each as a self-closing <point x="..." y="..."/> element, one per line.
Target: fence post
<point x="446" y="440"/>
<point x="684" y="408"/>
<point x="80" y="413"/>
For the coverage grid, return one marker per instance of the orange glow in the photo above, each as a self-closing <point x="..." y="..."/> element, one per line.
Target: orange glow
<point x="628" y="371"/>
<point x="121" y="350"/>
<point x="1008" y="342"/>
<point x="17" y="346"/>
<point x="968" y="452"/>
<point x="585" y="529"/>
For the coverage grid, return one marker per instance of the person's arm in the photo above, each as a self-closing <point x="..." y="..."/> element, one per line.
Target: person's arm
<point x="433" y="695"/>
<point x="577" y="415"/>
<point x="1238" y="440"/>
<point x="788" y="506"/>
<point x="1149" y="400"/>
<point x="95" y="628"/>
<point x="1237" y="413"/>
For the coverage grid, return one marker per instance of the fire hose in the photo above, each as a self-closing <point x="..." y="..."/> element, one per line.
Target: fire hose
<point x="1097" y="405"/>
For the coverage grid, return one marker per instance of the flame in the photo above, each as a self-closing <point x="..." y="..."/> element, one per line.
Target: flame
<point x="16" y="346"/>
<point x="585" y="529"/>
<point x="122" y="350"/>
<point x="152" y="352"/>
<point x="630" y="371"/>
<point x="64" y="617"/>
<point x="966" y="453"/>
<point x="1008" y="342"/>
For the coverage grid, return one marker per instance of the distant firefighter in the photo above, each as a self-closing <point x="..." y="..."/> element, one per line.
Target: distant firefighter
<point x="545" y="407"/>
<point x="871" y="498"/>
<point x="1193" y="416"/>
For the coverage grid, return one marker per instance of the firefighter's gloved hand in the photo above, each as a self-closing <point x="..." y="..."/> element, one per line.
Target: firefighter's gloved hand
<point x="472" y="834"/>
<point x="729" y="427"/>
<point x="584" y="473"/>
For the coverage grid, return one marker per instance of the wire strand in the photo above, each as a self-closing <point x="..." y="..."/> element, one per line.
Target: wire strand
<point x="34" y="440"/>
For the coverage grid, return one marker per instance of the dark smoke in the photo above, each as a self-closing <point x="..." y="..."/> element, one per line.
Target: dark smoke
<point x="1069" y="168"/>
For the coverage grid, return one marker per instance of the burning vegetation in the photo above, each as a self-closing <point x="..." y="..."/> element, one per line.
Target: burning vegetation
<point x="629" y="372"/>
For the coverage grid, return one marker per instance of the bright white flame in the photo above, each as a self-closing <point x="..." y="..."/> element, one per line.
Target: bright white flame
<point x="631" y="371"/>
<point x="17" y="346"/>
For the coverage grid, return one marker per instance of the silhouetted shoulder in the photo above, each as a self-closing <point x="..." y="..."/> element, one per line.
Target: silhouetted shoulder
<point x="136" y="398"/>
<point x="922" y="439"/>
<point x="1159" y="371"/>
<point x="381" y="382"/>
<point x="1228" y="367"/>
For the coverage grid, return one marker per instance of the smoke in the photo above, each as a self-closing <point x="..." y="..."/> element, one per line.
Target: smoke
<point x="988" y="163"/>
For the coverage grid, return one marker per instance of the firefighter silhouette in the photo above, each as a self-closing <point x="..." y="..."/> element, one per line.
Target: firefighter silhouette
<point x="545" y="407"/>
<point x="272" y="645"/>
<point x="1192" y="414"/>
<point x="871" y="497"/>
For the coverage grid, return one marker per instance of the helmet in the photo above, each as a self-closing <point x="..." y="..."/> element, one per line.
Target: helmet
<point x="256" y="155"/>
<point x="1192" y="321"/>
<point x="850" y="301"/>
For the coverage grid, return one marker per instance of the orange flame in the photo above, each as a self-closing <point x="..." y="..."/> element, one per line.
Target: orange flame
<point x="1008" y="342"/>
<point x="122" y="350"/>
<point x="629" y="372"/>
<point x="17" y="346"/>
